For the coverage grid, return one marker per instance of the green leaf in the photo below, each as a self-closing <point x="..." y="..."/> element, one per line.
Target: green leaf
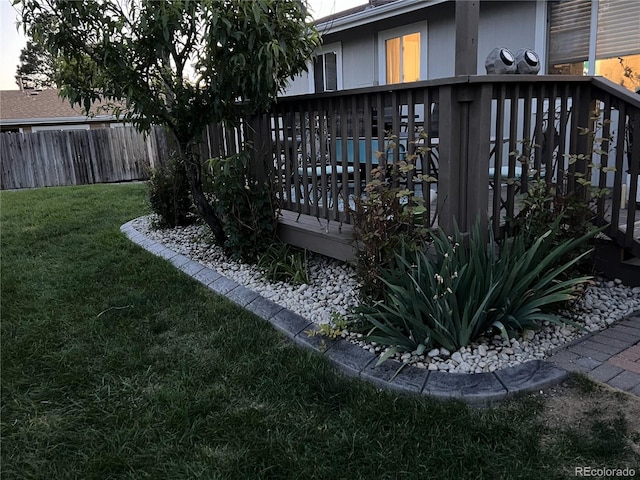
<point x="387" y="355"/>
<point x="501" y="328"/>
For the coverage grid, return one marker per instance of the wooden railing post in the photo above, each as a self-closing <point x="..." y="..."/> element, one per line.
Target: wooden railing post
<point x="463" y="186"/>
<point x="467" y="19"/>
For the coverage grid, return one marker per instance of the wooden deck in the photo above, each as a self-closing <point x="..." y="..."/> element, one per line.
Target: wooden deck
<point x="323" y="147"/>
<point x="335" y="239"/>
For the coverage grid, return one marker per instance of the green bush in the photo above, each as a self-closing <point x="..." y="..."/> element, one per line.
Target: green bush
<point x="452" y="295"/>
<point x="248" y="208"/>
<point x="169" y="194"/>
<point x="542" y="207"/>
<point x="574" y="199"/>
<point x="283" y="263"/>
<point x="387" y="216"/>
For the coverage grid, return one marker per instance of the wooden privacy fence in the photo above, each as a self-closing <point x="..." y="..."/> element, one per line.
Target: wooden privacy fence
<point x="79" y="157"/>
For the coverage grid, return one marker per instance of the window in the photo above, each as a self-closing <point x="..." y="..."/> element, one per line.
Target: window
<point x="326" y="74"/>
<point x="402" y="54"/>
<point x="600" y="37"/>
<point x="403" y="58"/>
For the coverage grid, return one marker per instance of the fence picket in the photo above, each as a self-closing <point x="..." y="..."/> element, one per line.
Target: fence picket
<point x="79" y="157"/>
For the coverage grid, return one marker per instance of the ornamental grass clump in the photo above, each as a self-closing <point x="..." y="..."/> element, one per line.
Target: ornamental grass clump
<point x="284" y="263"/>
<point x="450" y="295"/>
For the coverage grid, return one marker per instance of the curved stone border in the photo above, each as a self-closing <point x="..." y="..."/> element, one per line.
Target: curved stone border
<point x="478" y="389"/>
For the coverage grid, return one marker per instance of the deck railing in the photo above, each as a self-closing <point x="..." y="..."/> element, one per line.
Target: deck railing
<point x="479" y="141"/>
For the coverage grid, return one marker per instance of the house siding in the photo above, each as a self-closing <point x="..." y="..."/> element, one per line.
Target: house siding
<point x="502" y="24"/>
<point x="299" y="85"/>
<point x="359" y="56"/>
<point x="513" y="26"/>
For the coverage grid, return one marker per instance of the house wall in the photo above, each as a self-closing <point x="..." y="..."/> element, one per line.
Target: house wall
<point x="513" y="25"/>
<point x="359" y="56"/>
<point x="299" y="85"/>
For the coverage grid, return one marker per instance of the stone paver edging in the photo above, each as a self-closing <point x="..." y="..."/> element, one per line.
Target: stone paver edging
<point x="479" y="389"/>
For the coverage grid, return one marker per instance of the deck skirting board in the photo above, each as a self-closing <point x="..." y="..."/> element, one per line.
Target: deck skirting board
<point x="333" y="239"/>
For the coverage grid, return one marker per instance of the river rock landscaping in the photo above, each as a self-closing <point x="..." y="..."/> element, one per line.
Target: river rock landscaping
<point x="333" y="290"/>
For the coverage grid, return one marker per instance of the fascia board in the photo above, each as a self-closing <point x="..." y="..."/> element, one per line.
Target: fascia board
<point x="374" y="14"/>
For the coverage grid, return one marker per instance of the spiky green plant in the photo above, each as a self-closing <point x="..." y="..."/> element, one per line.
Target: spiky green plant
<point x="452" y="295"/>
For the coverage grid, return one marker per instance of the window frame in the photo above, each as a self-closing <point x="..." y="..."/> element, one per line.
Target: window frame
<point x="384" y="35"/>
<point x="597" y="47"/>
<point x="329" y="48"/>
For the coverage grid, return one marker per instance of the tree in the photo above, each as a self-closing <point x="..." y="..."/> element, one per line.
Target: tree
<point x="37" y="67"/>
<point x="178" y="63"/>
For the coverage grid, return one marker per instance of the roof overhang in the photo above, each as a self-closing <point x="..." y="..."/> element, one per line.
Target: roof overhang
<point x="374" y="14"/>
<point x="57" y="120"/>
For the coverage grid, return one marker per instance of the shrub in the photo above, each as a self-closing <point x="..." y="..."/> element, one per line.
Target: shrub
<point x="247" y="207"/>
<point x="283" y="263"/>
<point x="388" y="215"/>
<point x="452" y="295"/>
<point x="169" y="194"/>
<point x="543" y="206"/>
<point x="574" y="199"/>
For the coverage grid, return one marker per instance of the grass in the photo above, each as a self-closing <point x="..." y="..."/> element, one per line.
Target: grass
<point x="116" y="365"/>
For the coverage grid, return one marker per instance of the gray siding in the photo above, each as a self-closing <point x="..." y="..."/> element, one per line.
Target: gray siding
<point x="512" y="26"/>
<point x="360" y="63"/>
<point x="298" y="86"/>
<point x="441" y="43"/>
<point x="502" y="24"/>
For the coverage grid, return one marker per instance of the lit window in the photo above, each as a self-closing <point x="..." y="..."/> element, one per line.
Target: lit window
<point x="614" y="42"/>
<point x="624" y="70"/>
<point x="403" y="58"/>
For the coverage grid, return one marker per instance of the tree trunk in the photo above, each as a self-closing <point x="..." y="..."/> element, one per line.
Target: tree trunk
<point x="204" y="208"/>
<point x="194" y="175"/>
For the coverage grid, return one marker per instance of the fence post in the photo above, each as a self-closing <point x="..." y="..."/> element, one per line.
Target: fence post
<point x="464" y="149"/>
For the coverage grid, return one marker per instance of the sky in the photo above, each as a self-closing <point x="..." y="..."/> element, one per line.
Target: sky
<point x="12" y="41"/>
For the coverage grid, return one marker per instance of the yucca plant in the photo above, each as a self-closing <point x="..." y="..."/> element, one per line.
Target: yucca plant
<point x="454" y="294"/>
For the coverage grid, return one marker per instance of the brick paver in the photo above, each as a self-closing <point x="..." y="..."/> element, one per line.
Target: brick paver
<point x="628" y="359"/>
<point x="615" y="345"/>
<point x="605" y="372"/>
<point x="625" y="381"/>
<point x="611" y="356"/>
<point x="585" y="351"/>
<point x="632" y="354"/>
<point x="600" y="347"/>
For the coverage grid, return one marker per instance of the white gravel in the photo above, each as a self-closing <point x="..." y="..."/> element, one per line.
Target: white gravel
<point x="333" y="288"/>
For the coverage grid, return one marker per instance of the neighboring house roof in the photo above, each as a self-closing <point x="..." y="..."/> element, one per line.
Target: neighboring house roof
<point x="371" y="12"/>
<point x="19" y="107"/>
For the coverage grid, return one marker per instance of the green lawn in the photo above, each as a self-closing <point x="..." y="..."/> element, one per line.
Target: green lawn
<point x="115" y="365"/>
